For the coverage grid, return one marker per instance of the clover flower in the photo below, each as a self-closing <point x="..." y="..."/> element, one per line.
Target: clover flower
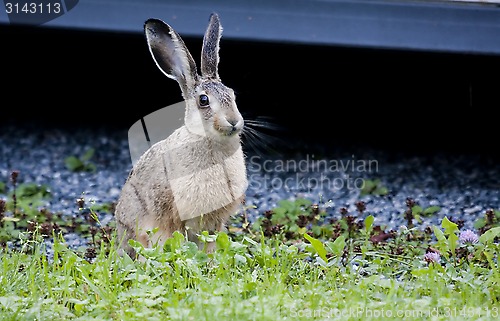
<point x="468" y="236"/>
<point x="432" y="257"/>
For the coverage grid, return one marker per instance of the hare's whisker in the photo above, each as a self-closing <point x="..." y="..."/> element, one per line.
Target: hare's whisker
<point x="263" y="124"/>
<point x="259" y="140"/>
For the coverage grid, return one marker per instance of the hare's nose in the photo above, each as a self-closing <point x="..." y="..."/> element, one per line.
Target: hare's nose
<point x="232" y="122"/>
<point x="235" y="124"/>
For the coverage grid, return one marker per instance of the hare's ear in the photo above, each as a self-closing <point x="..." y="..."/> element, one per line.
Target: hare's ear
<point x="171" y="54"/>
<point x="210" y="49"/>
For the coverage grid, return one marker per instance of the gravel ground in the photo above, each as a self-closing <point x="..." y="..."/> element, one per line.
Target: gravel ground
<point x="464" y="186"/>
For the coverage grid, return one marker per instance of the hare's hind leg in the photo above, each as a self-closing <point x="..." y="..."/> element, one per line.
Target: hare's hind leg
<point x="124" y="234"/>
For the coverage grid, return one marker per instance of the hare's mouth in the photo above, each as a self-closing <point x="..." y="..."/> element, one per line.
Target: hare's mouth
<point x="228" y="127"/>
<point x="228" y="130"/>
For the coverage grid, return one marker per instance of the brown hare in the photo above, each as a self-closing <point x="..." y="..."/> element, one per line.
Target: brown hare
<point x="195" y="179"/>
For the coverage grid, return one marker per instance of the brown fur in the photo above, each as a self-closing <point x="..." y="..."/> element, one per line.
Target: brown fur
<point x="195" y="179"/>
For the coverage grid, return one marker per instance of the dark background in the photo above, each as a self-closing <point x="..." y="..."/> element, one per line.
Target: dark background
<point x="343" y="96"/>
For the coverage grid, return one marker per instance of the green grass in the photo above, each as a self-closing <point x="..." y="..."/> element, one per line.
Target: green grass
<point x="250" y="280"/>
<point x="293" y="263"/>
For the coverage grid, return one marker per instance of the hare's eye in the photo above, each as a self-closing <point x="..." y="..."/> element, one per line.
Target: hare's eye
<point x="204" y="101"/>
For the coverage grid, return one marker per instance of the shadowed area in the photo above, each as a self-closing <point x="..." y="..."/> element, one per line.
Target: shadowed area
<point x="416" y="101"/>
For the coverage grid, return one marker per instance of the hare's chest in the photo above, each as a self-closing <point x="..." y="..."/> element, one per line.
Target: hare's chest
<point x="201" y="185"/>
